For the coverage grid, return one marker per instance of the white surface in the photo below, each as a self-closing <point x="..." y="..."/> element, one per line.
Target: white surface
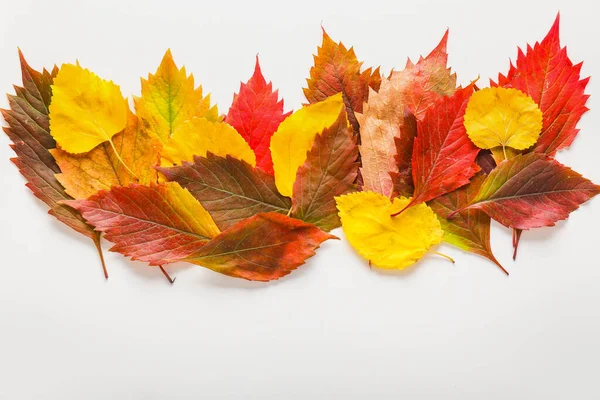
<point x="333" y="329"/>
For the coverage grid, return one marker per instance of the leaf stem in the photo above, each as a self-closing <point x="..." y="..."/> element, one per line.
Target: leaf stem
<point x="171" y="280"/>
<point x="445" y="256"/>
<point x="120" y="159"/>
<point x="96" y="241"/>
<point x="504" y="151"/>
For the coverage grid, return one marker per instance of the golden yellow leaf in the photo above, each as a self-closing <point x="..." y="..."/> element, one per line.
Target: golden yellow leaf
<point x="85" y="109"/>
<point x="83" y="175"/>
<point x="503" y="117"/>
<point x="198" y="136"/>
<point x="295" y="137"/>
<point x="169" y="99"/>
<point x="388" y="242"/>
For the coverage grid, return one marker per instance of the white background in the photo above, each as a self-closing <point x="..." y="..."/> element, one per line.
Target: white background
<point x="334" y="329"/>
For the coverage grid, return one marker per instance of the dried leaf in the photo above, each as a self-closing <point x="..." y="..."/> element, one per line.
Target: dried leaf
<point x="169" y="98"/>
<point x="295" y="137"/>
<point x="469" y="229"/>
<point x="337" y="70"/>
<point x="531" y="191"/>
<point x="388" y="242"/>
<point x="158" y="224"/>
<point x="85" y="109"/>
<point x="264" y="247"/>
<point x="198" y="136"/>
<point x="83" y="175"/>
<point x="256" y="114"/>
<point x="228" y="188"/>
<point x="546" y="73"/>
<point x="329" y="170"/>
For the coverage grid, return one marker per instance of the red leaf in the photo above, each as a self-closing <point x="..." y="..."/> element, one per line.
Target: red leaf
<point x="264" y="247"/>
<point x="531" y="191"/>
<point x="443" y="156"/>
<point x="158" y="224"/>
<point x="337" y="70"/>
<point x="546" y="73"/>
<point x="228" y="188"/>
<point x="256" y="113"/>
<point x="329" y="170"/>
<point x="29" y="130"/>
<point x="469" y="229"/>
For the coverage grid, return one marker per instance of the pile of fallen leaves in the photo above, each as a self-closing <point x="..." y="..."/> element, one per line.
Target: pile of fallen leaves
<point x="402" y="162"/>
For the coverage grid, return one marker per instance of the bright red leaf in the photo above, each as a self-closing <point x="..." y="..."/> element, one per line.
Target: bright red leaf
<point x="256" y="113"/>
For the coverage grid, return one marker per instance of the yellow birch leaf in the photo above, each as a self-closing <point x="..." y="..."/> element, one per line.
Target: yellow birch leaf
<point x="503" y="117"/>
<point x="83" y="175"/>
<point x="295" y="137"/>
<point x="169" y="99"/>
<point x="388" y="242"/>
<point x="198" y="136"/>
<point x="86" y="110"/>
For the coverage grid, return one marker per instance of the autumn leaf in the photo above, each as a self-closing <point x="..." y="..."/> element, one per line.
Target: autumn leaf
<point x="169" y="98"/>
<point x="85" y="174"/>
<point x="29" y="130"/>
<point x="198" y="136"/>
<point x="388" y="242"/>
<point x="256" y="114"/>
<point x="532" y="191"/>
<point x="469" y="229"/>
<point x="416" y="88"/>
<point x="329" y="170"/>
<point x="443" y="155"/>
<point x="337" y="70"/>
<point x="228" y="188"/>
<point x="546" y="73"/>
<point x="295" y="137"/>
<point x="502" y="117"/>
<point x="158" y="224"/>
<point x="402" y="179"/>
<point x="264" y="247"/>
<point x="86" y="110"/>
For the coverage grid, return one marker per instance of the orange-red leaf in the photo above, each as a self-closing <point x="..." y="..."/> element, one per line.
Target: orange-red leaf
<point x="228" y="188"/>
<point x="531" y="191"/>
<point x="337" y="70"/>
<point x="329" y="170"/>
<point x="469" y="229"/>
<point x="256" y="113"/>
<point x="264" y="247"/>
<point x="158" y="224"/>
<point x="443" y="156"/>
<point x="546" y="73"/>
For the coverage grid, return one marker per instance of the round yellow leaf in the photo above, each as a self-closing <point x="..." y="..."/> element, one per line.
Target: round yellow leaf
<point x="295" y="137"/>
<point x="388" y="242"/>
<point x="198" y="136"/>
<point x="503" y="117"/>
<point x="86" y="110"/>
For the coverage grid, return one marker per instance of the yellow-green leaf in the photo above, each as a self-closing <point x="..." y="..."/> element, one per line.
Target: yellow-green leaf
<point x="86" y="110"/>
<point x="198" y="136"/>
<point x="503" y="117"/>
<point x="169" y="98"/>
<point x="388" y="242"/>
<point x="295" y="136"/>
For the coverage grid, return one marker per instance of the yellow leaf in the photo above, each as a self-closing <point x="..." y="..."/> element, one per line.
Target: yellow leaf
<point x="295" y="137"/>
<point x="199" y="136"/>
<point x="388" y="242"/>
<point x="85" y="109"/>
<point x="503" y="117"/>
<point x="169" y="99"/>
<point x="83" y="175"/>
